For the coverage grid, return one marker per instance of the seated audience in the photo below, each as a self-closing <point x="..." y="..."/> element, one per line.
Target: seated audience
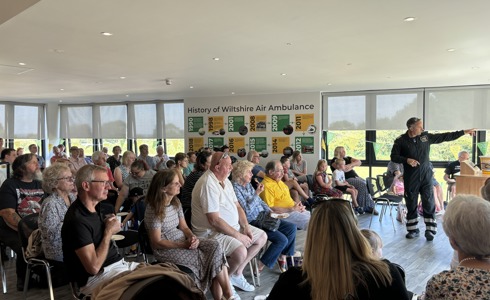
<point x="298" y="166"/>
<point x="139" y="178"/>
<point x="144" y="156"/>
<point x="99" y="159"/>
<point x="466" y="218"/>
<point x="202" y="164"/>
<point x="171" y="164"/>
<point x="160" y="159"/>
<point x="81" y="154"/>
<point x="296" y="189"/>
<point x="283" y="239"/>
<point x="9" y="155"/>
<point x="192" y="156"/>
<point x="258" y="171"/>
<point x="58" y="184"/>
<point x="363" y="198"/>
<point x="374" y="241"/>
<point x="56" y="155"/>
<point x="20" y="151"/>
<point x="276" y="196"/>
<point x="338" y="262"/>
<point x="453" y="168"/>
<point x="91" y="257"/>
<point x="20" y="196"/>
<point x="398" y="187"/>
<point x="217" y="214"/>
<point x="114" y="160"/>
<point x="34" y="149"/>
<point x="181" y="162"/>
<point x="123" y="170"/>
<point x="394" y="170"/>
<point x="76" y="162"/>
<point x="341" y="184"/>
<point x="172" y="241"/>
<point x="321" y="183"/>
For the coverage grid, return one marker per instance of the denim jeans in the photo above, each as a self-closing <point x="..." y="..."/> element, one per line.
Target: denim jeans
<point x="282" y="242"/>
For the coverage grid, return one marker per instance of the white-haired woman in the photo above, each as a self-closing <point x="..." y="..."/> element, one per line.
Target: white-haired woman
<point x="466" y="222"/>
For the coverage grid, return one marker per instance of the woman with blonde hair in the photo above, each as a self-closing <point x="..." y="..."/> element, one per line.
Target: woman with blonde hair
<point x="338" y="262"/>
<point x="173" y="241"/>
<point x="122" y="171"/>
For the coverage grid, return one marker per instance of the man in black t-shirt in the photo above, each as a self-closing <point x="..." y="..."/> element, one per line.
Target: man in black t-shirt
<point x="20" y="196"/>
<point x="453" y="168"/>
<point x="89" y="253"/>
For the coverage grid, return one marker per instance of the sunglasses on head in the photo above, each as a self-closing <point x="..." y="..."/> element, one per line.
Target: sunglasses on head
<point x="225" y="155"/>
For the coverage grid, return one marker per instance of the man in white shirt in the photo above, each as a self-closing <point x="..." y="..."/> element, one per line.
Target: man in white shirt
<point x="216" y="213"/>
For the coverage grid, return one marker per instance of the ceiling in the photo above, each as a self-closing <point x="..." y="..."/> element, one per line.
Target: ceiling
<point x="319" y="46"/>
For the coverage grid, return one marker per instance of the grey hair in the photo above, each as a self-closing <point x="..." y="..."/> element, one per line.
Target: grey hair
<point x="466" y="221"/>
<point x="85" y="174"/>
<point x="240" y="168"/>
<point x="96" y="155"/>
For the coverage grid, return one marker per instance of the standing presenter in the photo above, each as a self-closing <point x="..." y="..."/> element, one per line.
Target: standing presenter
<point x="412" y="149"/>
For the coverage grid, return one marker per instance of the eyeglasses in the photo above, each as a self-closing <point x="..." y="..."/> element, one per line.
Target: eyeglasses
<point x="69" y="178"/>
<point x="225" y="155"/>
<point x="103" y="181"/>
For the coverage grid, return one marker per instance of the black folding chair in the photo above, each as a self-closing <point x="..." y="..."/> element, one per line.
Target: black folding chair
<point x="386" y="200"/>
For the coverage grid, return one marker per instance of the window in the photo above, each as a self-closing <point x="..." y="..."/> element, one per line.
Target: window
<point x="86" y="144"/>
<point x="354" y="142"/>
<point x="151" y="143"/>
<point x="448" y="151"/>
<point x="111" y="143"/>
<point x="385" y="140"/>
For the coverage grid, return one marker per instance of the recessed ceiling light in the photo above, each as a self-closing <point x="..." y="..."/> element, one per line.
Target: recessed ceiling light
<point x="106" y="33"/>
<point x="62" y="89"/>
<point x="122" y="77"/>
<point x="233" y="93"/>
<point x="22" y="64"/>
<point x="216" y="58"/>
<point x="409" y="19"/>
<point x="57" y="51"/>
<point x="284" y="74"/>
<point x="191" y="87"/>
<point x="61" y="101"/>
<point x="451" y="50"/>
<point x="475" y="68"/>
<point x="329" y="84"/>
<point x="127" y="95"/>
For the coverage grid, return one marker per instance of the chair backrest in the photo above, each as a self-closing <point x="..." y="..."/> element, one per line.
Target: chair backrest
<point x="371" y="186"/>
<point x="144" y="240"/>
<point x="26" y="226"/>
<point x="380" y="183"/>
<point x="309" y="180"/>
<point x="387" y="180"/>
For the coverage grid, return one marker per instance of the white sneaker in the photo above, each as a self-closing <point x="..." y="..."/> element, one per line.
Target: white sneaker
<point x="235" y="294"/>
<point x="240" y="282"/>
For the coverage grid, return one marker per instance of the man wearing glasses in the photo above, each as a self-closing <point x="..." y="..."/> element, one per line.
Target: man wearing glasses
<point x="216" y="213"/>
<point x="277" y="196"/>
<point x="89" y="253"/>
<point x="412" y="149"/>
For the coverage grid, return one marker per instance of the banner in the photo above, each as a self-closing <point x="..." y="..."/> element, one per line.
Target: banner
<point x="483" y="147"/>
<point x="330" y="136"/>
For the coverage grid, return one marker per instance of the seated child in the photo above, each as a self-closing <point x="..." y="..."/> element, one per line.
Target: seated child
<point x="397" y="187"/>
<point x="374" y="241"/>
<point x="170" y="164"/>
<point x="136" y="215"/>
<point x="321" y="183"/>
<point x="341" y="184"/>
<point x="296" y="189"/>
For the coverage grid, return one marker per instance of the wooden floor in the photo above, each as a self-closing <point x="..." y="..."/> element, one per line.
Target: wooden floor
<point x="419" y="258"/>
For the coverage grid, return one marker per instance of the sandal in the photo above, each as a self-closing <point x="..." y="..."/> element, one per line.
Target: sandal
<point x="282" y="264"/>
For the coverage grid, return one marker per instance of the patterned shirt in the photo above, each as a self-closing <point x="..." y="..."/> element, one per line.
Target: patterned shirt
<point x="50" y="220"/>
<point x="459" y="283"/>
<point x="251" y="203"/>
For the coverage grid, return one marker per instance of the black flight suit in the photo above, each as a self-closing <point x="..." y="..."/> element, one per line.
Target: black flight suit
<point x="419" y="179"/>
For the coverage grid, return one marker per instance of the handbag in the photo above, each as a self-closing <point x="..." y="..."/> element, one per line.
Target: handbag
<point x="265" y="221"/>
